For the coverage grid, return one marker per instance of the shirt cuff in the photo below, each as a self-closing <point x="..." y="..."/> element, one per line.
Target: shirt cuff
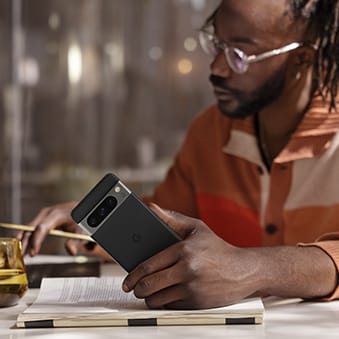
<point x="331" y="247"/>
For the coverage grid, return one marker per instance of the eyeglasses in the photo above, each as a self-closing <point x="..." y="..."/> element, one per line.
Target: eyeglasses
<point x="236" y="58"/>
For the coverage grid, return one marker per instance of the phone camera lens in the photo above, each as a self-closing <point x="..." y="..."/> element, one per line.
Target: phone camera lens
<point x="111" y="202"/>
<point x="92" y="221"/>
<point x="102" y="211"/>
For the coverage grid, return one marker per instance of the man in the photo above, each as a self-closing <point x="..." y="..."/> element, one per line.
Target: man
<point x="259" y="168"/>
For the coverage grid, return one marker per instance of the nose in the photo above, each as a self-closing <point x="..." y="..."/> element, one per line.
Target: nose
<point x="219" y="66"/>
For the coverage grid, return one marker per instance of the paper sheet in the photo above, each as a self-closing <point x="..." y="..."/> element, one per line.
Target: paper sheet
<point x="92" y="295"/>
<point x="102" y="295"/>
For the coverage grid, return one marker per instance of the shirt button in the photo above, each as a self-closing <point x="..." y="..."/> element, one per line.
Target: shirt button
<point x="260" y="170"/>
<point x="271" y="228"/>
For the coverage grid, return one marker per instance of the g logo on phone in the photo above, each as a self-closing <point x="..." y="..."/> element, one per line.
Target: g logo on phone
<point x="136" y="237"/>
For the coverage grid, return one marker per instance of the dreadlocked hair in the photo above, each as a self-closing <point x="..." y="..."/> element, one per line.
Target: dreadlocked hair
<point x="322" y="18"/>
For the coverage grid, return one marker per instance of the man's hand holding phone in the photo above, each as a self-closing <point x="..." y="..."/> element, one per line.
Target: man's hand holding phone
<point x="200" y="271"/>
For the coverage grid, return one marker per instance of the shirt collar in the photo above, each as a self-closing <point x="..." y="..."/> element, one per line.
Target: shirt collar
<point x="311" y="138"/>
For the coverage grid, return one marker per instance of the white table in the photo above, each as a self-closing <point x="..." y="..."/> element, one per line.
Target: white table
<point x="284" y="318"/>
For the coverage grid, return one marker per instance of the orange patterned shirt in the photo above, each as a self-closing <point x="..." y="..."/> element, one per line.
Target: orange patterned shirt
<point x="219" y="176"/>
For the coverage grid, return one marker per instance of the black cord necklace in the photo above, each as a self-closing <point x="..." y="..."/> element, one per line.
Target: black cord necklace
<point x="262" y="144"/>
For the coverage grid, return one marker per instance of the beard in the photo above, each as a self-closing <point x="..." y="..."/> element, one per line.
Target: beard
<point x="245" y="104"/>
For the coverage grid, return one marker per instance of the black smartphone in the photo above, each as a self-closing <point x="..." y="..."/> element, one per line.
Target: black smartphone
<point x="121" y="223"/>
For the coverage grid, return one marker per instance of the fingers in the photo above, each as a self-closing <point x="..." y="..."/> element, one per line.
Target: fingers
<point x="186" y="274"/>
<point x="163" y="287"/>
<point x="54" y="220"/>
<point x="25" y="242"/>
<point x="25" y="236"/>
<point x="47" y="219"/>
<point x="158" y="278"/>
<point x="72" y="246"/>
<point x="158" y="262"/>
<point x="181" y="224"/>
<point x="157" y="282"/>
<point x="41" y="216"/>
<point x="19" y="235"/>
<point x="166" y="298"/>
<point x="169" y="288"/>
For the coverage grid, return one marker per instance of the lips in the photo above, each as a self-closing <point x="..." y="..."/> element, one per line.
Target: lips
<point x="223" y="94"/>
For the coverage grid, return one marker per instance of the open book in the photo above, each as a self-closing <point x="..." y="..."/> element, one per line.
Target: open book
<point x="90" y="301"/>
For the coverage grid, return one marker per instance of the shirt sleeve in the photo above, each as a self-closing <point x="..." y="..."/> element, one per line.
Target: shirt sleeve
<point x="180" y="188"/>
<point x="176" y="192"/>
<point x="329" y="243"/>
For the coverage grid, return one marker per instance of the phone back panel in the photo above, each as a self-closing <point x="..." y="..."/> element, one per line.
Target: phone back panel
<point x="132" y="233"/>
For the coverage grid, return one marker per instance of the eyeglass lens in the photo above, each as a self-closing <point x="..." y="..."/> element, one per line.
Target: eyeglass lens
<point x="235" y="60"/>
<point x="233" y="55"/>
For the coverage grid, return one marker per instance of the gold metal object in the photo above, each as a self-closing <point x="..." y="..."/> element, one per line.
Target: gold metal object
<point x="13" y="278"/>
<point x="57" y="233"/>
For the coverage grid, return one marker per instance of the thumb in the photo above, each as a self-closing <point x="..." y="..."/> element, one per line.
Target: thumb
<point x="182" y="225"/>
<point x="72" y="246"/>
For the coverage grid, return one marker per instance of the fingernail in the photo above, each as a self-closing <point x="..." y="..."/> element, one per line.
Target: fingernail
<point x="32" y="253"/>
<point x="125" y="287"/>
<point x="154" y="205"/>
<point x="73" y="250"/>
<point x="156" y="208"/>
<point x="71" y="247"/>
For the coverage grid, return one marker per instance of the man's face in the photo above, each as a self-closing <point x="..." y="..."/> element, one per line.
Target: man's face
<point x="251" y="25"/>
<point x="239" y="104"/>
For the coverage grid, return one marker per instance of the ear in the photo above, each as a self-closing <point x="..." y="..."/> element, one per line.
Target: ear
<point x="301" y="60"/>
<point x="305" y="56"/>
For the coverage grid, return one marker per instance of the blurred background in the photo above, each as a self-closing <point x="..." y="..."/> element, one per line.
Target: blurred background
<point x="91" y="86"/>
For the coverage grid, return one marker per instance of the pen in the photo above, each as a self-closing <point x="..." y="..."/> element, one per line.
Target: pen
<point x="57" y="233"/>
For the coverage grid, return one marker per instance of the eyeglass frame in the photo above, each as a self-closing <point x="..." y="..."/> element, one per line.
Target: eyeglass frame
<point x="248" y="59"/>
